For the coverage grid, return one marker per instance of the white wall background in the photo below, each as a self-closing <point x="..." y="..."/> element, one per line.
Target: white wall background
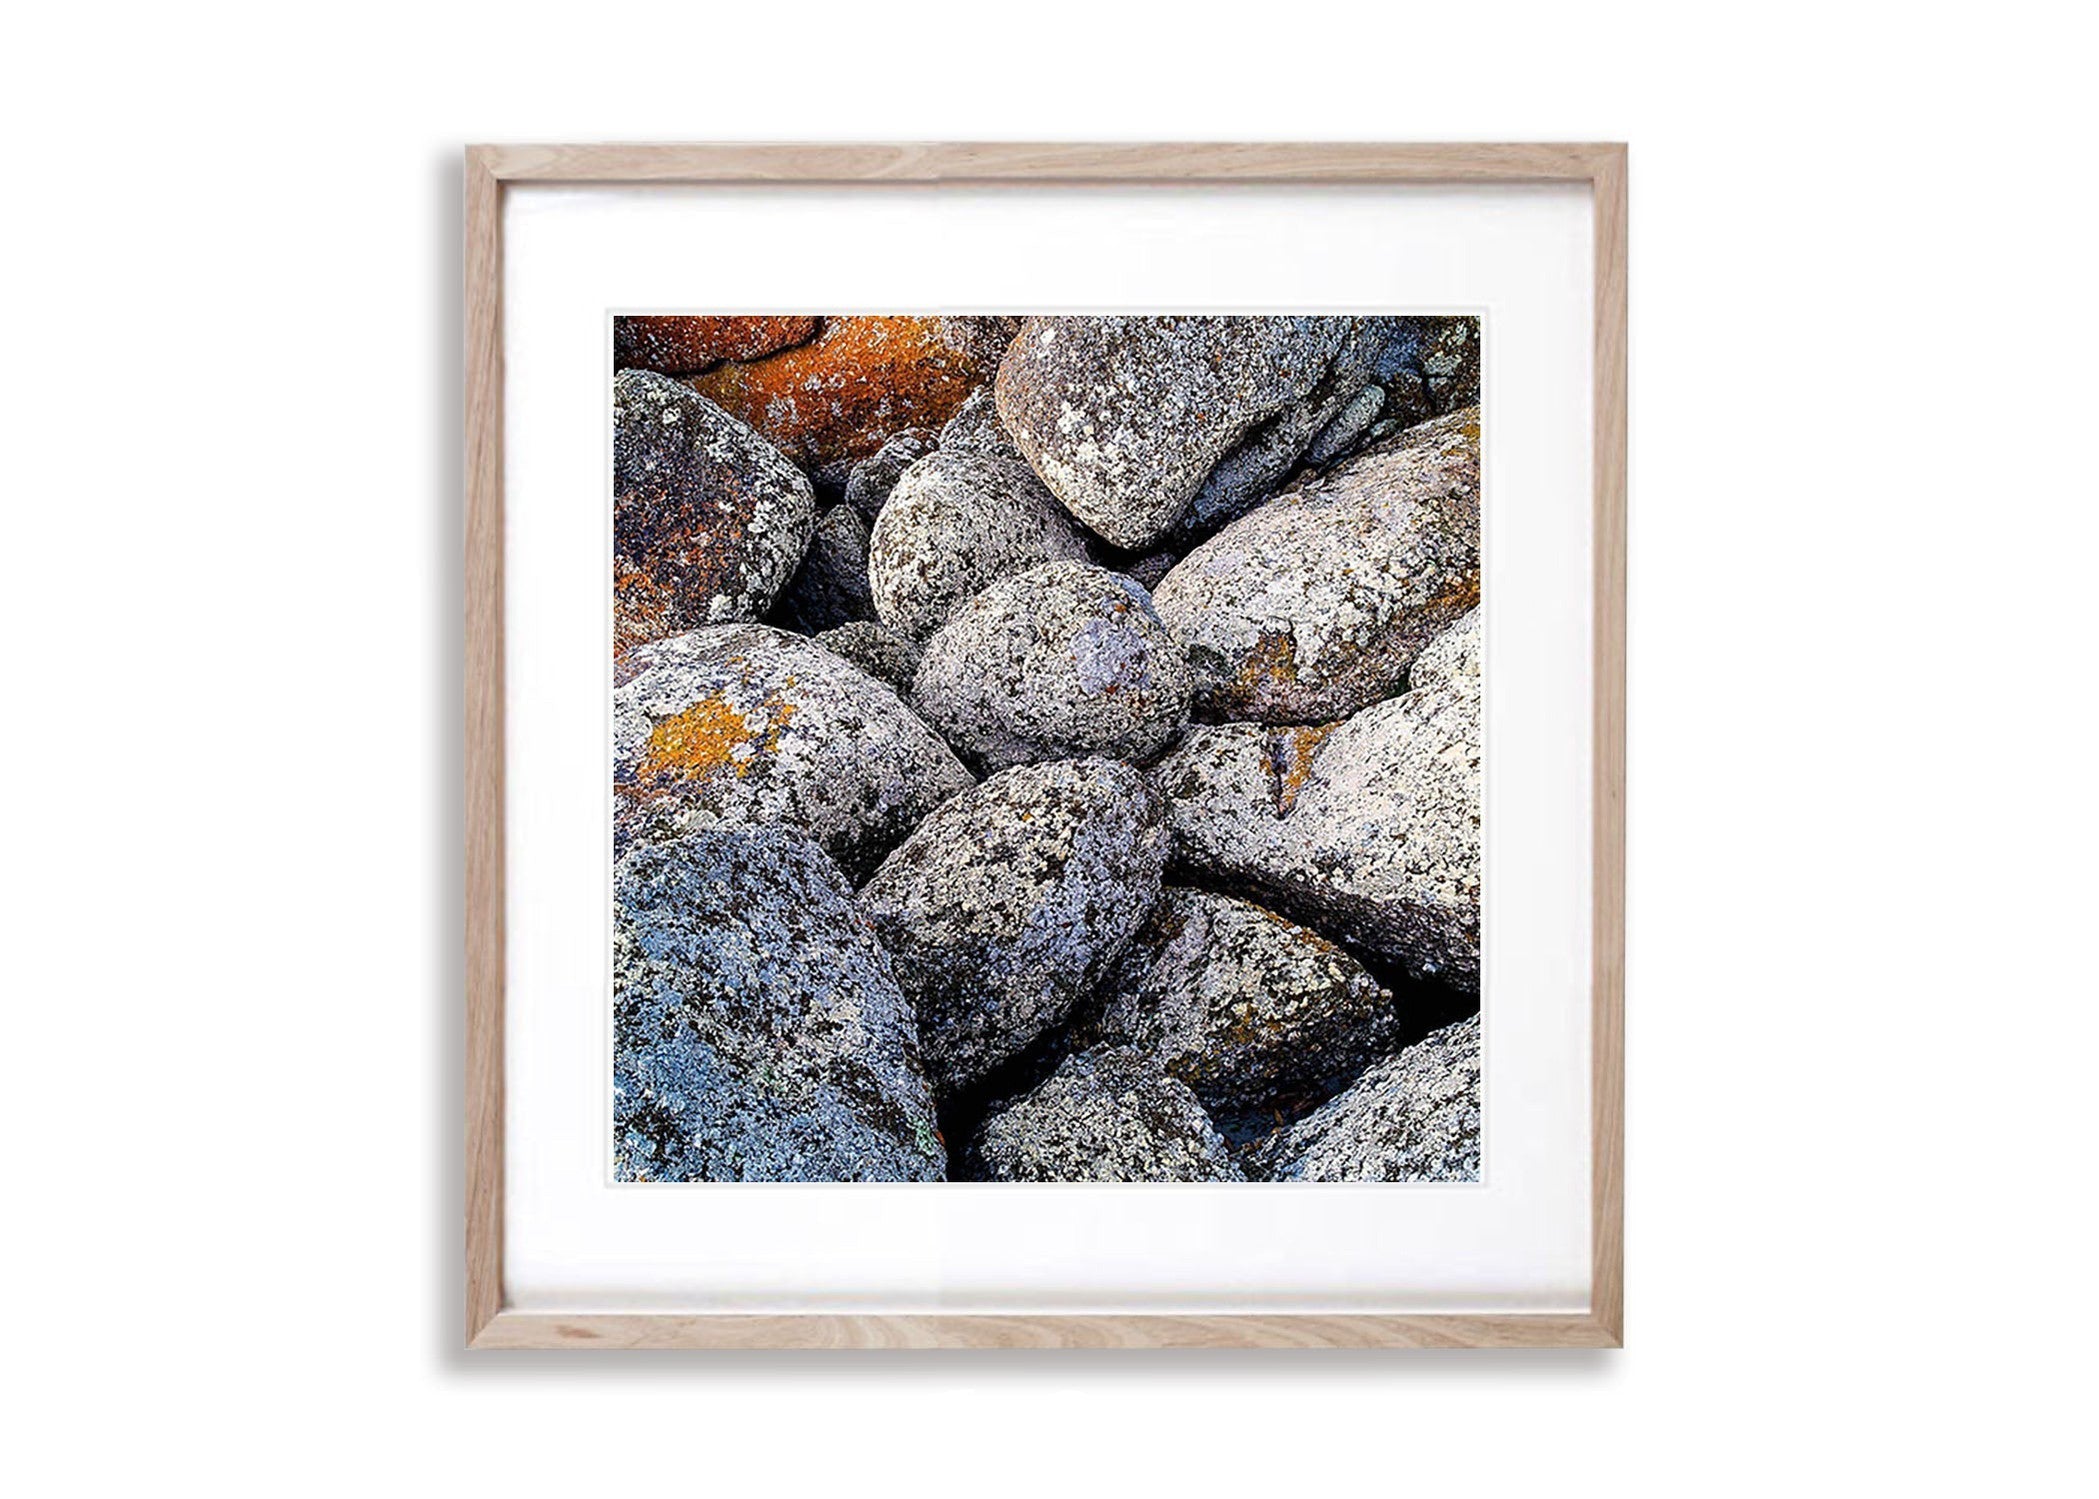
<point x="1862" y="994"/>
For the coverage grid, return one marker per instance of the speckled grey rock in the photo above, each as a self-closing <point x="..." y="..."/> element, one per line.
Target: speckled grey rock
<point x="830" y="588"/>
<point x="1103" y="1117"/>
<point x="1265" y="456"/>
<point x="1251" y="1011"/>
<point x="958" y="521"/>
<point x="709" y="520"/>
<point x="1125" y="417"/>
<point x="867" y="488"/>
<point x="1151" y="568"/>
<point x="747" y="724"/>
<point x="1348" y="426"/>
<point x="1315" y="604"/>
<point x="1412" y="1118"/>
<point x="875" y="649"/>
<point x="1005" y="906"/>
<point x="759" y="1033"/>
<point x="1061" y="661"/>
<point x="1367" y="830"/>
<point x="1442" y="354"/>
<point x="975" y="427"/>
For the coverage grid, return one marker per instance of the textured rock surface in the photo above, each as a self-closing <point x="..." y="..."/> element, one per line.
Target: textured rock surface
<point x="830" y="587"/>
<point x="1442" y="354"/>
<point x="830" y="403"/>
<point x="1005" y="906"/>
<point x="1125" y="417"/>
<point x="1058" y="662"/>
<point x="956" y="523"/>
<point x="1348" y="426"/>
<point x="687" y="345"/>
<point x="750" y="725"/>
<point x="708" y="520"/>
<point x="759" y="1033"/>
<point x="1316" y="603"/>
<point x="1264" y="457"/>
<point x="1105" y="1117"/>
<point x="873" y="477"/>
<point x="1252" y="1011"/>
<point x="975" y="427"/>
<point x="875" y="649"/>
<point x="1368" y="830"/>
<point x="1413" y="1117"/>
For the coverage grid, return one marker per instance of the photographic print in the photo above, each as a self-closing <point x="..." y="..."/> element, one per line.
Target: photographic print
<point x="1046" y="748"/>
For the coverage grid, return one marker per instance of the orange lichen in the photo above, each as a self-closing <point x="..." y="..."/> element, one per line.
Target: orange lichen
<point x="862" y="381"/>
<point x="1292" y="752"/>
<point x="696" y="743"/>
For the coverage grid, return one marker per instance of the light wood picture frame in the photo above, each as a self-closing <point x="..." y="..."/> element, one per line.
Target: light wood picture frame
<point x="490" y="171"/>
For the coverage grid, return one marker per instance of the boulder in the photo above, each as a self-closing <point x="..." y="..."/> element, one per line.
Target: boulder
<point x="1253" y="1012"/>
<point x="1005" y="906"/>
<point x="1436" y="357"/>
<point x="708" y="520"/>
<point x="1315" y="605"/>
<point x="875" y="649"/>
<point x="749" y="725"/>
<point x="867" y="488"/>
<point x="830" y="588"/>
<point x="1061" y="661"/>
<point x="1414" y="1117"/>
<point x="975" y="427"/>
<point x="957" y="522"/>
<point x="758" y="1031"/>
<point x="1126" y="417"/>
<point x="1103" y="1117"/>
<point x="831" y="403"/>
<point x="687" y="345"/>
<point x="1258" y="464"/>
<point x="1367" y="830"/>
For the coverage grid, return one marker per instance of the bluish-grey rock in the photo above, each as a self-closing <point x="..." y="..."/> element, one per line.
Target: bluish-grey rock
<point x="830" y="587"/>
<point x="958" y="521"/>
<point x="1412" y="1118"/>
<point x="1103" y="1116"/>
<point x="709" y="520"/>
<point x="1367" y="830"/>
<point x="1004" y="907"/>
<point x="1440" y="356"/>
<point x="1062" y="661"/>
<point x="1252" y="1011"/>
<point x="1125" y="418"/>
<point x="875" y="649"/>
<point x="759" y="1033"/>
<point x="750" y="725"/>
<point x="868" y="487"/>
<point x="1315" y="605"/>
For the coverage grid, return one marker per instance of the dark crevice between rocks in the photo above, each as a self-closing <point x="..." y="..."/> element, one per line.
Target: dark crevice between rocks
<point x="962" y="1113"/>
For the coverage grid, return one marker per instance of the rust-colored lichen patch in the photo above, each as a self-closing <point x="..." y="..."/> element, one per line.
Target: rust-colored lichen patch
<point x="697" y="743"/>
<point x="687" y="345"/>
<point x="1291" y="754"/>
<point x="861" y="382"/>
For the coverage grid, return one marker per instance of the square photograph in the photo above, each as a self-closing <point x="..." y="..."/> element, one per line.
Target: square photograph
<point x="1046" y="748"/>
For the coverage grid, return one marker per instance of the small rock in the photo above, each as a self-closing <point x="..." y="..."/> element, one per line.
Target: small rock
<point x="830" y="589"/>
<point x="867" y="489"/>
<point x="1367" y="830"/>
<point x="1005" y="906"/>
<point x="759" y="1033"/>
<point x="1252" y="1011"/>
<point x="751" y="725"/>
<point x="1315" y="604"/>
<point x="1103" y="1117"/>
<point x="1342" y="433"/>
<point x="975" y="427"/>
<point x="875" y="649"/>
<point x="1126" y="417"/>
<point x="1151" y="568"/>
<point x="687" y="345"/>
<point x="708" y="520"/>
<point x="956" y="523"/>
<point x="831" y="403"/>
<point x="1061" y="661"/>
<point x="1442" y="357"/>
<point x="1412" y="1118"/>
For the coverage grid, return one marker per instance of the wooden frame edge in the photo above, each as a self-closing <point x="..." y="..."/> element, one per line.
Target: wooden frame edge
<point x="487" y="169"/>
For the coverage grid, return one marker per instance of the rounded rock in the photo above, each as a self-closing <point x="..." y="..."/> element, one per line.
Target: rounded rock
<point x="873" y="477"/>
<point x="708" y="520"/>
<point x="759" y="1033"/>
<point x="751" y="725"/>
<point x="875" y="649"/>
<point x="687" y="345"/>
<point x="1005" y="906"/>
<point x="1061" y="661"/>
<point x="1316" y="604"/>
<point x="1412" y="1118"/>
<point x="1103" y="1117"/>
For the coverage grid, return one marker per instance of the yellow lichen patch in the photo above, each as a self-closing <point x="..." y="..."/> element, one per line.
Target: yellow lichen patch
<point x="697" y="743"/>
<point x="1273" y="659"/>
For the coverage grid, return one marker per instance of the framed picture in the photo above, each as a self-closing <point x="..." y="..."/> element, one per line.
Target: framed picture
<point x="1045" y="746"/>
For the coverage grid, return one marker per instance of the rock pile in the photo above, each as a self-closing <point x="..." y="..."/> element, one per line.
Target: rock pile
<point x="1197" y="598"/>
